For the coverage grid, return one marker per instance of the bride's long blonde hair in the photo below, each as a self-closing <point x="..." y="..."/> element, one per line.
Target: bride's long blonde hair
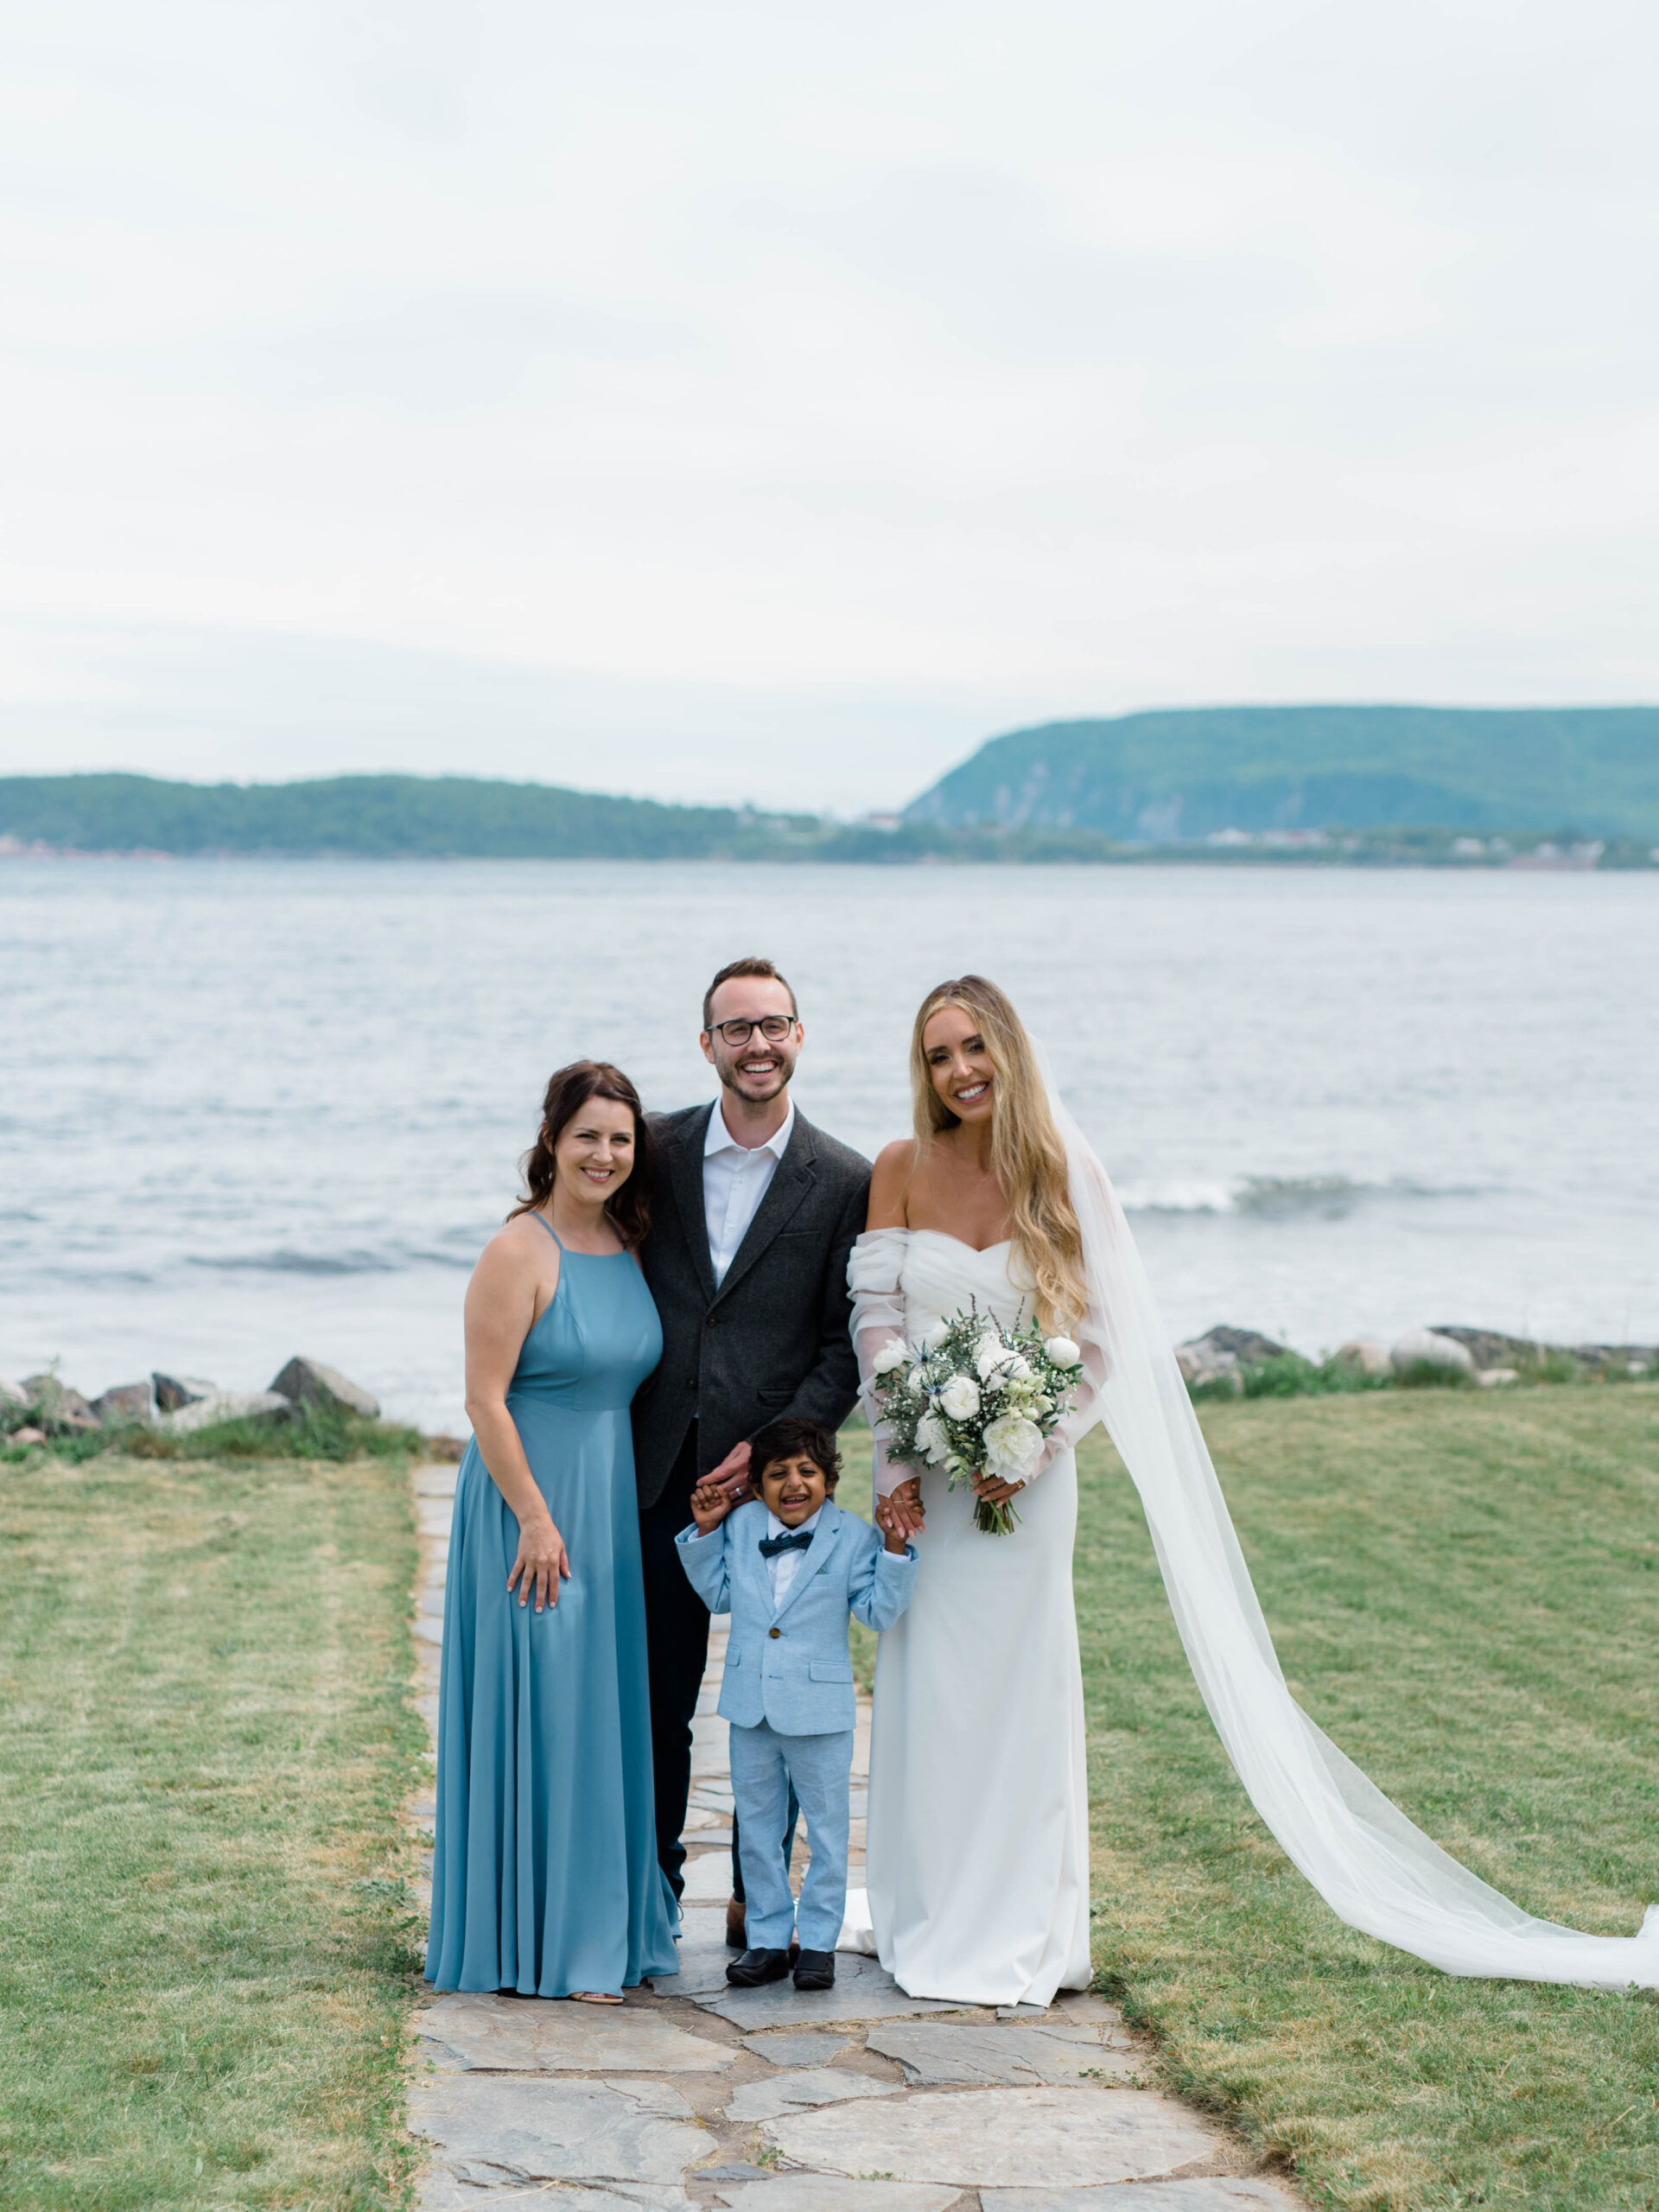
<point x="1027" y="1157"/>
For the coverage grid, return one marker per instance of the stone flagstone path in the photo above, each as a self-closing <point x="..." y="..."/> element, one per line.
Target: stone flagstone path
<point x="857" y="2099"/>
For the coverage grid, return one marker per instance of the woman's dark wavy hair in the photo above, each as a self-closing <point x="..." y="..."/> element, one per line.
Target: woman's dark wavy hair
<point x="569" y="1090"/>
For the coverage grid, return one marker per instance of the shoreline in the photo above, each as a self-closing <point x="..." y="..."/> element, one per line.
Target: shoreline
<point x="1225" y="1362"/>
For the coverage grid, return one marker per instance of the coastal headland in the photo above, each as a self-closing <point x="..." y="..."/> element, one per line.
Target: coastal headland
<point x="1571" y="788"/>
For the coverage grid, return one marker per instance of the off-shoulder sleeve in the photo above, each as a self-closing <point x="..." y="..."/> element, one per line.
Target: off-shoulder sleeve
<point x="875" y="1273"/>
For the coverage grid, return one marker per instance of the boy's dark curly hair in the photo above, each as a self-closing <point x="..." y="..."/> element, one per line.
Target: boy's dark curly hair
<point x="790" y="1439"/>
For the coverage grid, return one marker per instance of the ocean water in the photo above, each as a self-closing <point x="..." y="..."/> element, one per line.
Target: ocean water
<point x="254" y="1108"/>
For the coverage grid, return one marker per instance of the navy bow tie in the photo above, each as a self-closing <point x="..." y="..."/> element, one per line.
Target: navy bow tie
<point x="796" y="1540"/>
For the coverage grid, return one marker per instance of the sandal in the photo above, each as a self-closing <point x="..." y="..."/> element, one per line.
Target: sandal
<point x="594" y="1997"/>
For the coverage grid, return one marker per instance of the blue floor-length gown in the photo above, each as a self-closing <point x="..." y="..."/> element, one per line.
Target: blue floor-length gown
<point x="545" y="1878"/>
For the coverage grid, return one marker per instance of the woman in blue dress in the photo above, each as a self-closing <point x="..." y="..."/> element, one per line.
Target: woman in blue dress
<point x="545" y="1880"/>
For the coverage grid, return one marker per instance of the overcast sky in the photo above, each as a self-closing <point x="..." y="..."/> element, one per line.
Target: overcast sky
<point x="759" y="400"/>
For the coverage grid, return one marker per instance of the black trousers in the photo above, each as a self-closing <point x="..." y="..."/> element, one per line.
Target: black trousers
<point x="677" y="1652"/>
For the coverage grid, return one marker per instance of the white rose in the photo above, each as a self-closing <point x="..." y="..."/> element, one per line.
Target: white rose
<point x="893" y="1355"/>
<point x="1063" y="1351"/>
<point x="960" y="1397"/>
<point x="936" y="1336"/>
<point x="994" y="1357"/>
<point x="929" y="1435"/>
<point x="916" y="1382"/>
<point x="1013" y="1447"/>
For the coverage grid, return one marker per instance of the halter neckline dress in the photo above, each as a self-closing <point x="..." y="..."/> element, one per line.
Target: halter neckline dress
<point x="545" y="1877"/>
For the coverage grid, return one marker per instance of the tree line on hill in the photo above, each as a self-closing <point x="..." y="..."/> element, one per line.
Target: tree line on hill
<point x="1359" y="785"/>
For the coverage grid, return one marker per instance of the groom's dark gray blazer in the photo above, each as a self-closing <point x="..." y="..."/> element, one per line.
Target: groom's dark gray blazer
<point x="772" y="1339"/>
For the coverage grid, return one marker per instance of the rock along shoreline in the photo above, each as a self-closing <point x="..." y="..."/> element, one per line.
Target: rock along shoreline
<point x="1225" y="1362"/>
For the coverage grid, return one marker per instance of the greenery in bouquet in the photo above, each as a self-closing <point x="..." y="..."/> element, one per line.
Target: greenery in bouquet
<point x="975" y="1399"/>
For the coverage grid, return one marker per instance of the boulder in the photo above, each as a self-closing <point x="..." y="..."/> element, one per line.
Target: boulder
<point x="12" y="1393"/>
<point x="1202" y="1366"/>
<point x="1490" y="1348"/>
<point x="1364" y="1356"/>
<point x="173" y="1391"/>
<point x="1248" y="1346"/>
<point x="1492" y="1379"/>
<point x="1430" y="1348"/>
<point x="27" y="1436"/>
<point x="62" y="1410"/>
<point x="225" y="1405"/>
<point x="308" y="1383"/>
<point x="124" y="1403"/>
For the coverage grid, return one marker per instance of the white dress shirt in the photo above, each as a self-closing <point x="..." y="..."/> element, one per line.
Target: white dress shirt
<point x="736" y="1177"/>
<point x="782" y="1566"/>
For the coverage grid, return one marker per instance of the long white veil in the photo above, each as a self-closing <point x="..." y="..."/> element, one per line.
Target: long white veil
<point x="1366" y="1860"/>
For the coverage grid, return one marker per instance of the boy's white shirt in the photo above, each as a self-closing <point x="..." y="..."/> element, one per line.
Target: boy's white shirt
<point x="782" y="1566"/>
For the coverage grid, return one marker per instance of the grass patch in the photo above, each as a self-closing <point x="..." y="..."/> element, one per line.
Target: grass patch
<point x="209" y="1952"/>
<point x="315" y="1432"/>
<point x="1464" y="1588"/>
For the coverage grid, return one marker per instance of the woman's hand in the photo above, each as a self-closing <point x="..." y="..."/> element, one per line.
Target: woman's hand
<point x="901" y="1512"/>
<point x="542" y="1562"/>
<point x="995" y="1493"/>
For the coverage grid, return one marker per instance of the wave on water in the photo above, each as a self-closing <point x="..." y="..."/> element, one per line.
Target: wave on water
<point x="286" y="1261"/>
<point x="1275" y="1196"/>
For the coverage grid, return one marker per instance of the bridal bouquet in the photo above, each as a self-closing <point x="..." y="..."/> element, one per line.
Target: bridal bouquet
<point x="975" y="1399"/>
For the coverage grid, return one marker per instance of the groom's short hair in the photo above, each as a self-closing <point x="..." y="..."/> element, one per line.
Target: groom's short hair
<point x="791" y="1438"/>
<point x="751" y="966"/>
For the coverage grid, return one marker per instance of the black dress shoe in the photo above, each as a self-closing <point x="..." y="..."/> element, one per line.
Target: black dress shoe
<point x="756" y="1967"/>
<point x="816" y="1970"/>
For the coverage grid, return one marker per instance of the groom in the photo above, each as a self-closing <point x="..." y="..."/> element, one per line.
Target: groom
<point x="752" y="1213"/>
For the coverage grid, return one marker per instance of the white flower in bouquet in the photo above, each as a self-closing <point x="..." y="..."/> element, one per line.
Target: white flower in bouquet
<point x="1013" y="1447"/>
<point x="995" y="1361"/>
<point x="1063" y="1351"/>
<point x="893" y="1355"/>
<point x="934" y="1439"/>
<point x="936" y="1336"/>
<point x="959" y="1400"/>
<point x="915" y="1381"/>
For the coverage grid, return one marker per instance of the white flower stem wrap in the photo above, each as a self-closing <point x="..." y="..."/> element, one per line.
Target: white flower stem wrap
<point x="974" y="1398"/>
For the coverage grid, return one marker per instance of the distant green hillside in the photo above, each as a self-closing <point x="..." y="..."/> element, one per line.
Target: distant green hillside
<point x="375" y="815"/>
<point x="1159" y="779"/>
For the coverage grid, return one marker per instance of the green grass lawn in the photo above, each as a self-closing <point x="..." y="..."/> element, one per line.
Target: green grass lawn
<point x="1465" y="1594"/>
<point x="209" y="1961"/>
<point x="203" y="1744"/>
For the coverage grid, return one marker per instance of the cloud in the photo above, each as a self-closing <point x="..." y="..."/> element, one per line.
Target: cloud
<point x="686" y="371"/>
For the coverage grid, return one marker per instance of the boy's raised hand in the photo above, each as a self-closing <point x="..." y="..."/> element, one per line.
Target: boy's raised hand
<point x="710" y="1502"/>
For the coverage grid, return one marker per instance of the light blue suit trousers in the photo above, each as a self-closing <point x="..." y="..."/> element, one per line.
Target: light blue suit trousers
<point x="763" y="1763"/>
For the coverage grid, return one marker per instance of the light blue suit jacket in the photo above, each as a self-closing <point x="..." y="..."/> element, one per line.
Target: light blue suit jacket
<point x="791" y="1666"/>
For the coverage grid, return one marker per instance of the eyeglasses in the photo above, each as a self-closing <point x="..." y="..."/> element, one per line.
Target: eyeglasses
<point x="774" y="1027"/>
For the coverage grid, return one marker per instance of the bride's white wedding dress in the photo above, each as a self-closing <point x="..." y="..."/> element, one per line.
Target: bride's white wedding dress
<point x="978" y="1889"/>
<point x="978" y="1860"/>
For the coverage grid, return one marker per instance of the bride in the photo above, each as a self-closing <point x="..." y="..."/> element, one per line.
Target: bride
<point x="977" y="1840"/>
<point x="978" y="1835"/>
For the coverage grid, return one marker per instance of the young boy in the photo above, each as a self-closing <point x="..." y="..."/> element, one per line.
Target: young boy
<point x="789" y="1566"/>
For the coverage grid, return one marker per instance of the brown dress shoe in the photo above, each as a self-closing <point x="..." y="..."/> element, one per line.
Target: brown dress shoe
<point x="736" y="1926"/>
